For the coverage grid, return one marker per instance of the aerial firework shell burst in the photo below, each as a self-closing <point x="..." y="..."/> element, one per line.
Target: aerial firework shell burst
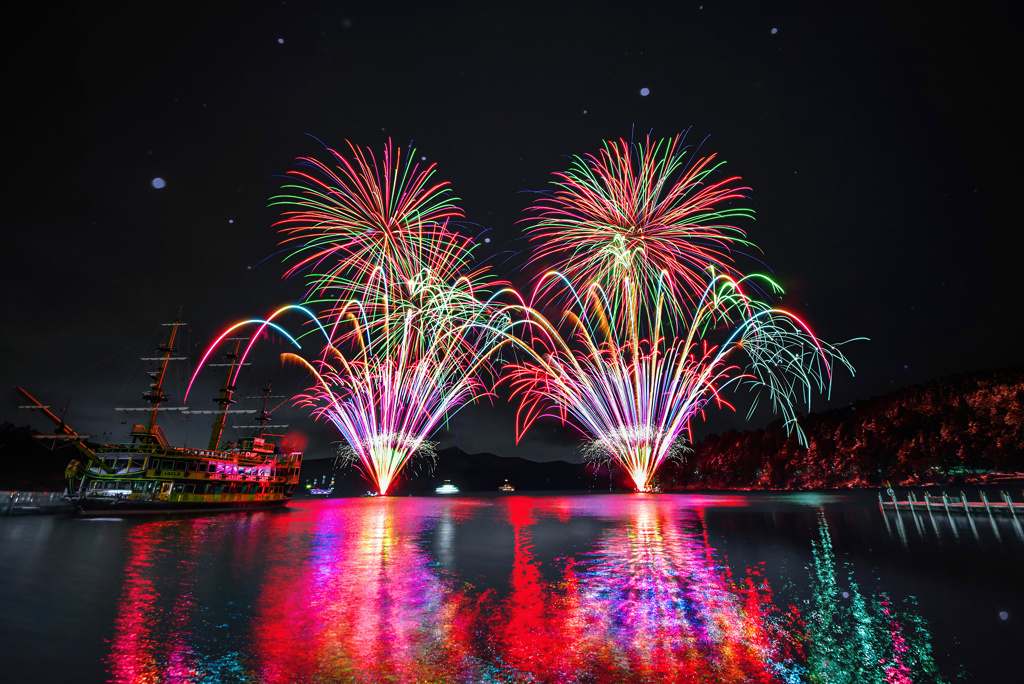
<point x="655" y="320"/>
<point x="344" y="220"/>
<point x="636" y="209"/>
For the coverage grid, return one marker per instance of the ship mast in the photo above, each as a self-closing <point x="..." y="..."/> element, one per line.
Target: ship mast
<point x="264" y="414"/>
<point x="225" y="400"/>
<point x="64" y="431"/>
<point x="155" y="396"/>
<point x="150" y="433"/>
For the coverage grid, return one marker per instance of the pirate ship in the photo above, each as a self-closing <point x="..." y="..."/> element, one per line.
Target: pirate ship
<point x="150" y="475"/>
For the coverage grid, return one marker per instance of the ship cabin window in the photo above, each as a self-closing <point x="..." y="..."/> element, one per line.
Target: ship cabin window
<point x="202" y="467"/>
<point x="191" y="466"/>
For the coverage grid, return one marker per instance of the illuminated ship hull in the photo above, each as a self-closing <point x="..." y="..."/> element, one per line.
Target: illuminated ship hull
<point x="152" y="479"/>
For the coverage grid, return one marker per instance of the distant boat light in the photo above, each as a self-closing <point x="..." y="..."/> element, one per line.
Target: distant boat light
<point x="447" y="488"/>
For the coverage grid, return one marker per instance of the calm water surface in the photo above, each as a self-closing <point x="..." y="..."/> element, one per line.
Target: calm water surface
<point x="588" y="588"/>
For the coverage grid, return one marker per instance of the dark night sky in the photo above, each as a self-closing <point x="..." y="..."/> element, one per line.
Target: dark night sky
<point x="877" y="140"/>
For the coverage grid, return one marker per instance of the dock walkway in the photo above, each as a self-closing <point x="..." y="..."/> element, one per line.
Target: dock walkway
<point x="955" y="504"/>
<point x="17" y="503"/>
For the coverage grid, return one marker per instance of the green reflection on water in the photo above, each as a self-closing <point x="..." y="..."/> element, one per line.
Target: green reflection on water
<point x="853" y="637"/>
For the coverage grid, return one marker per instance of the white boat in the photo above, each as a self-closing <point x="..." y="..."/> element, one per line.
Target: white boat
<point x="447" y="488"/>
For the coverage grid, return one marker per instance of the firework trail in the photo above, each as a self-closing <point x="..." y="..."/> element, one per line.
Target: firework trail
<point x="344" y="220"/>
<point x="409" y="331"/>
<point x="610" y="370"/>
<point x="635" y="210"/>
<point x="407" y="368"/>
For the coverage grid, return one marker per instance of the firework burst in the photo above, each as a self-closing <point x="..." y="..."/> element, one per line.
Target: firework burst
<point x="634" y="394"/>
<point x="636" y="209"/>
<point x="404" y="369"/>
<point x="344" y="220"/>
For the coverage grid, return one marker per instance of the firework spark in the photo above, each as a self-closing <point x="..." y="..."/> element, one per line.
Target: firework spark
<point x="634" y="396"/>
<point x="637" y="209"/>
<point x="343" y="222"/>
<point x="408" y="368"/>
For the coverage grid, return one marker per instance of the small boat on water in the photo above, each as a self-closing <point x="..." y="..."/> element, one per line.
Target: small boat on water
<point x="150" y="475"/>
<point x="447" y="488"/>
<point x="506" y="487"/>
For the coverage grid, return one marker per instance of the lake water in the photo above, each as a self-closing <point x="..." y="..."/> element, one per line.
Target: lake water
<point x="517" y="588"/>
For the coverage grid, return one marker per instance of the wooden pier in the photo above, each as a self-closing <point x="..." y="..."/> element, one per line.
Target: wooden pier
<point x="952" y="504"/>
<point x="15" y="503"/>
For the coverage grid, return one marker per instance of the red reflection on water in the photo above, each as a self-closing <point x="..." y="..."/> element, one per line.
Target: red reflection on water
<point x="535" y="629"/>
<point x="153" y="637"/>
<point x="356" y="590"/>
<point x="649" y="602"/>
<point x="363" y="602"/>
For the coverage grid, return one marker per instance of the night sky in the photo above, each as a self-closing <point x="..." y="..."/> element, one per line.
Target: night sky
<point x="880" y="143"/>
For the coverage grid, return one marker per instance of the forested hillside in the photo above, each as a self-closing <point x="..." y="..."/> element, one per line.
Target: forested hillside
<point x="960" y="427"/>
